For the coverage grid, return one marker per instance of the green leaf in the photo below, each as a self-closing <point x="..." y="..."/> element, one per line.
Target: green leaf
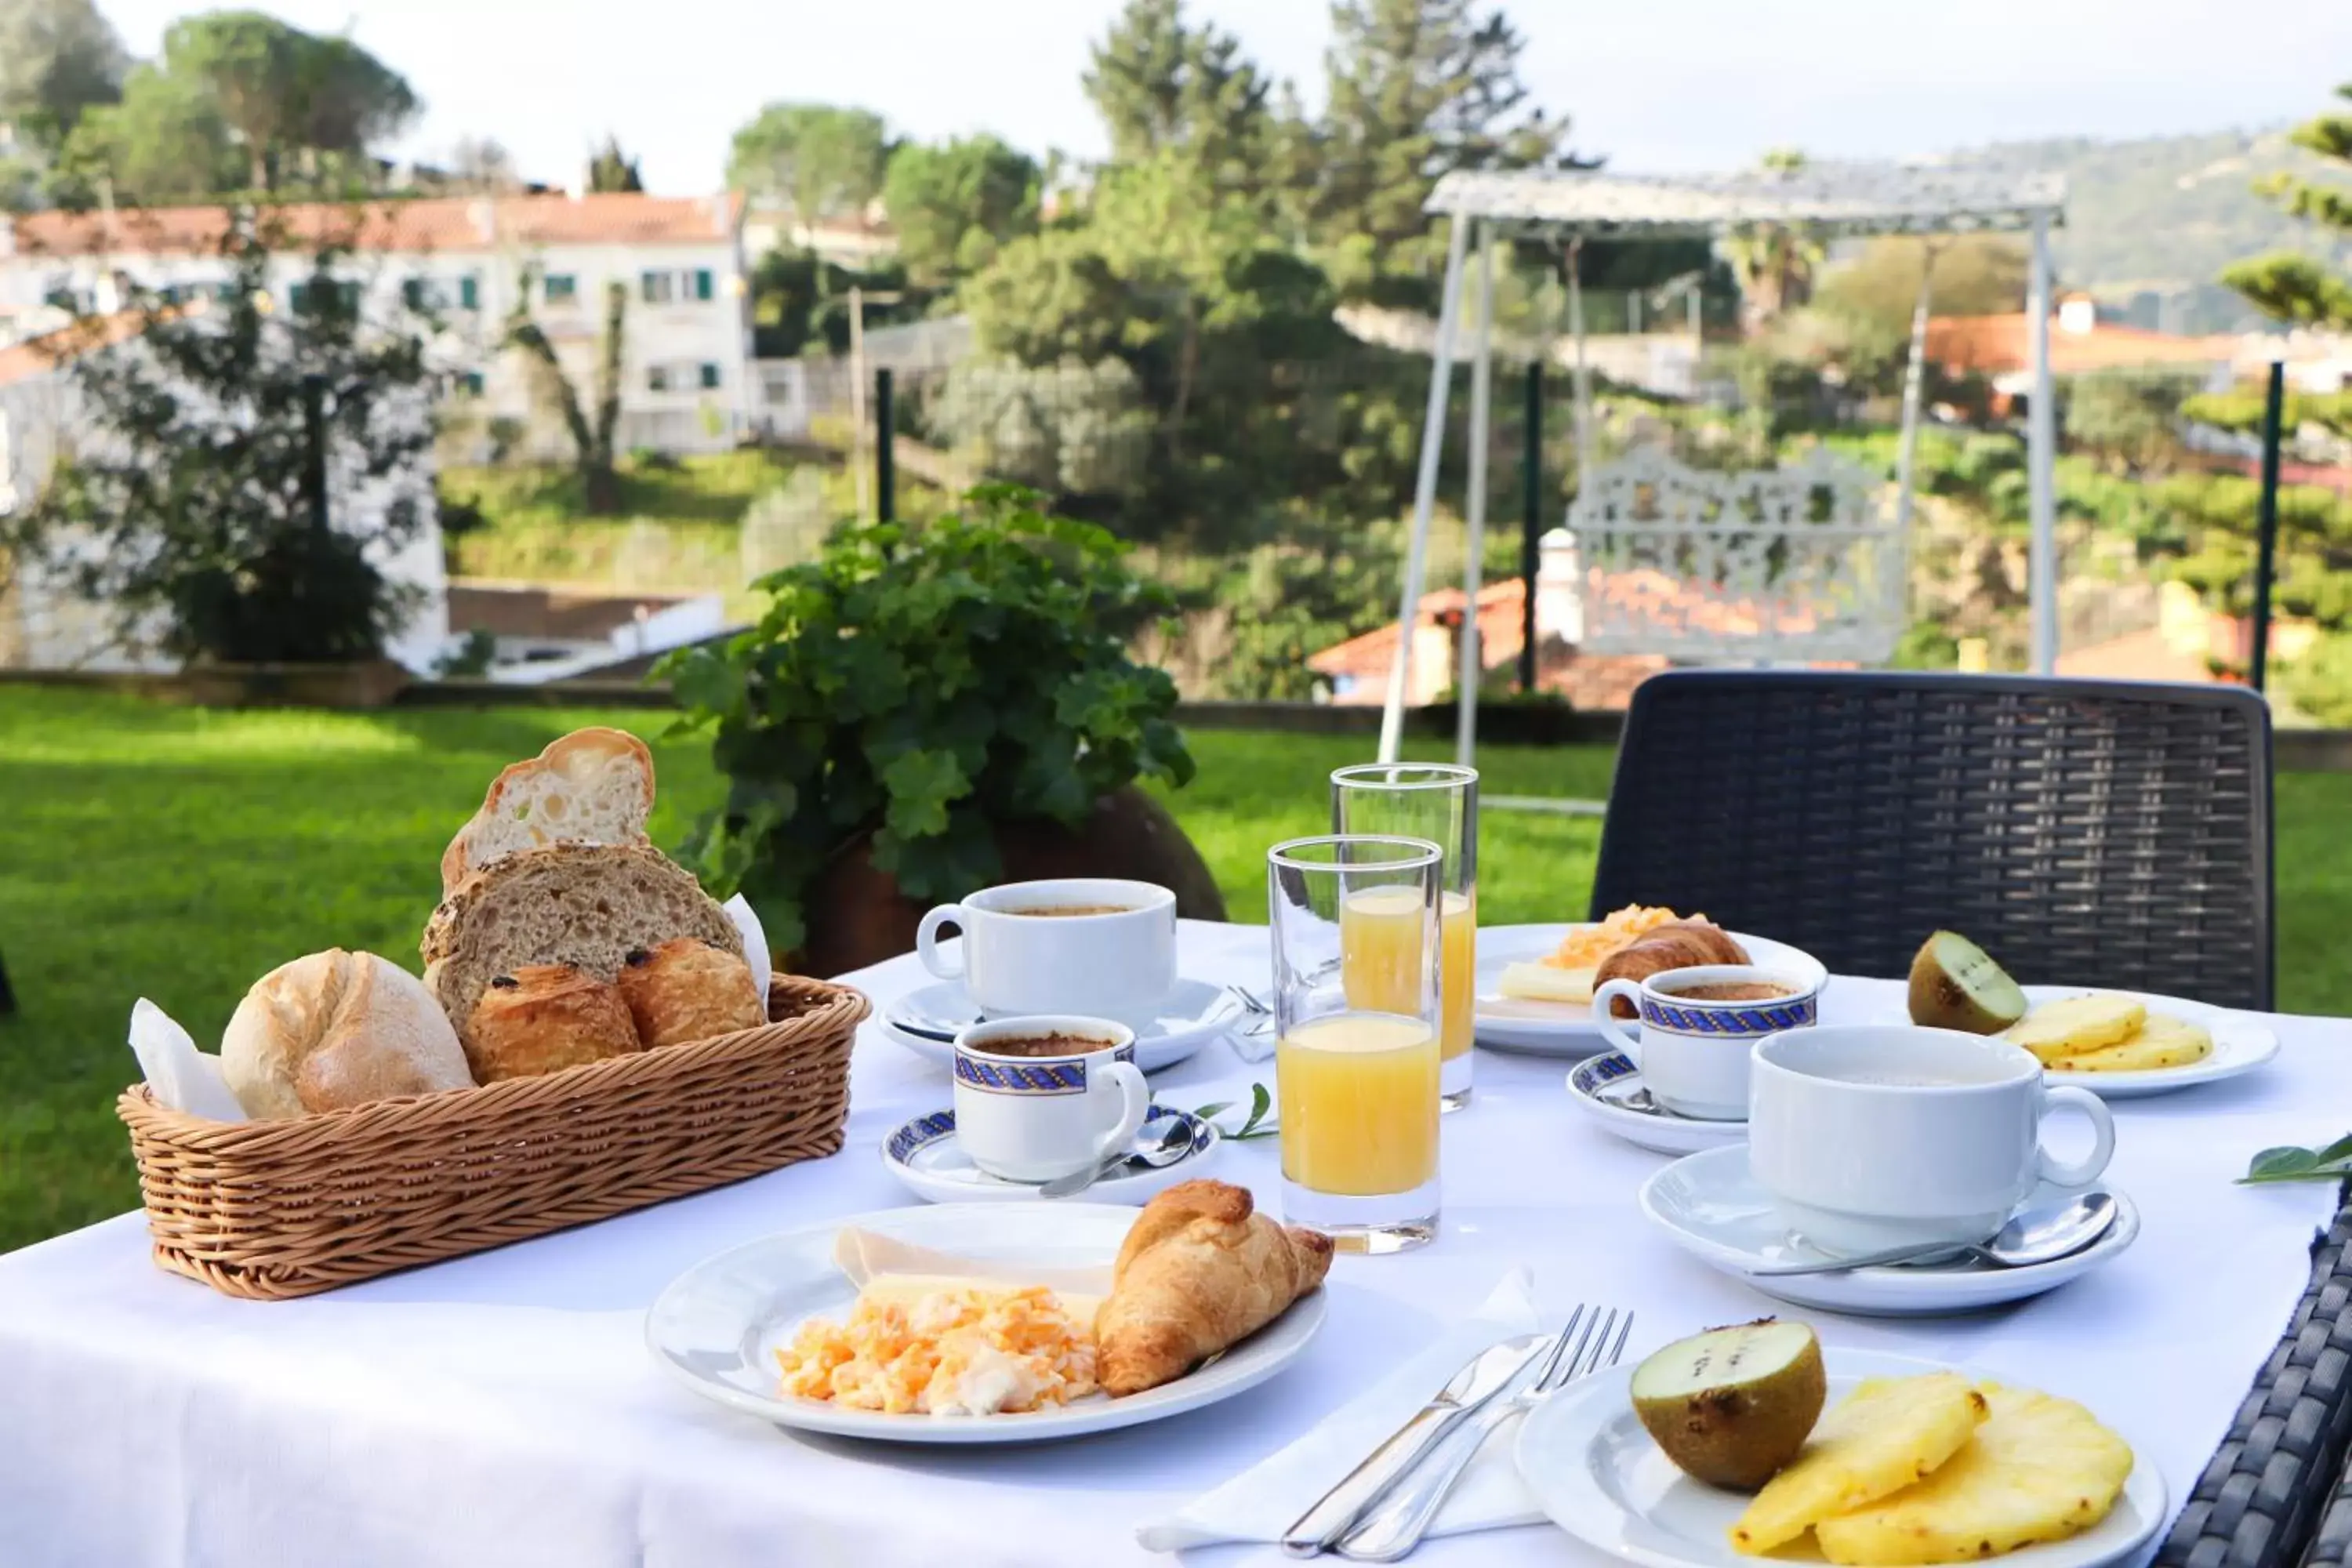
<point x="2284" y="1164"/>
<point x="706" y="683"/>
<point x="921" y="784"/>
<point x="1211" y="1112"/>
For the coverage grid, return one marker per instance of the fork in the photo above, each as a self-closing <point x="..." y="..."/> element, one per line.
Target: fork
<point x="1253" y="1007"/>
<point x="1397" y="1525"/>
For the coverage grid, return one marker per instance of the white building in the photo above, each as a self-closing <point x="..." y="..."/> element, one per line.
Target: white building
<point x="45" y="625"/>
<point x="687" y="383"/>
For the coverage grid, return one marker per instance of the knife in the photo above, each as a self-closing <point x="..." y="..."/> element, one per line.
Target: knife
<point x="1486" y="1374"/>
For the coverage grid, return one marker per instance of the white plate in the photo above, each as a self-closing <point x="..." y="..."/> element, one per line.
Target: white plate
<point x="2241" y="1044"/>
<point x="926" y="1158"/>
<point x="714" y="1327"/>
<point x="924" y="1021"/>
<point x="1595" y="1472"/>
<point x="1567" y="1028"/>
<point x="1608" y="1087"/>
<point x="1710" y="1206"/>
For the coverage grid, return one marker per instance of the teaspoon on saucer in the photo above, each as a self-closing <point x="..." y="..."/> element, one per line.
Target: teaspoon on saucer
<point x="2040" y="1235"/>
<point x="1150" y="1151"/>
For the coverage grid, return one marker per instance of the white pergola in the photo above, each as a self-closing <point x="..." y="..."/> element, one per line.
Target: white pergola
<point x="1821" y="201"/>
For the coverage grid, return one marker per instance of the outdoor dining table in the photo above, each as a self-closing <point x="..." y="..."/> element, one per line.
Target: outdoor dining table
<point x="501" y="1410"/>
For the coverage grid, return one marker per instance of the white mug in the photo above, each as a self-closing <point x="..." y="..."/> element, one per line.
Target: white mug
<point x="1693" y="1050"/>
<point x="1119" y="962"/>
<point x="1879" y="1135"/>
<point x="1033" y="1118"/>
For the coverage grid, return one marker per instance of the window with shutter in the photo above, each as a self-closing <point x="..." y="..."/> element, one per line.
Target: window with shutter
<point x="469" y="292"/>
<point x="655" y="287"/>
<point x="561" y="287"/>
<point x="709" y="375"/>
<point x="657" y="378"/>
<point x="412" y="293"/>
<point x="702" y="283"/>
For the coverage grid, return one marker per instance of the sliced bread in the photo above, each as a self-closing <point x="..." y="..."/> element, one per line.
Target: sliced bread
<point x="592" y="786"/>
<point x="589" y="905"/>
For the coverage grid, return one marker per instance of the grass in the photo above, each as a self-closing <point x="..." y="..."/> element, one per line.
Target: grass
<point x="179" y="854"/>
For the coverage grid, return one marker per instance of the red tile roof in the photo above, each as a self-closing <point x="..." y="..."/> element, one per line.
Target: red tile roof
<point x="1591" y="682"/>
<point x="39" y="356"/>
<point x="432" y="224"/>
<point x="1993" y="344"/>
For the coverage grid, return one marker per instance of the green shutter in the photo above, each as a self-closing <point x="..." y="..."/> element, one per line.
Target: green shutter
<point x="709" y="374"/>
<point x="470" y="293"/>
<point x="702" y="283"/>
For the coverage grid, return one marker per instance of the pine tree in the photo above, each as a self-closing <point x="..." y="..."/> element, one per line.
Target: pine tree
<point x="1164" y="88"/>
<point x="612" y="171"/>
<point x="2293" y="286"/>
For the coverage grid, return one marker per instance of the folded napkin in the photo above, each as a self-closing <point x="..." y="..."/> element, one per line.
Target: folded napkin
<point x="181" y="1077"/>
<point x="1251" y="1048"/>
<point x="755" y="943"/>
<point x="1266" y="1499"/>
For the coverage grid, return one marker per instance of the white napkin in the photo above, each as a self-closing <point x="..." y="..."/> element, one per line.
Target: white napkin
<point x="181" y="1076"/>
<point x="755" y="943"/>
<point x="1266" y="1499"/>
<point x="1250" y="1047"/>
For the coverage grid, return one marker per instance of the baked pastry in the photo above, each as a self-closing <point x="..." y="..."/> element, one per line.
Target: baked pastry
<point x="1677" y="944"/>
<point x="544" y="1018"/>
<point x="587" y="905"/>
<point x="592" y="786"/>
<point x="1199" y="1271"/>
<point x="337" y="1029"/>
<point x="686" y="989"/>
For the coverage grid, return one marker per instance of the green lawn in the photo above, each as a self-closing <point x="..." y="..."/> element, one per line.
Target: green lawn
<point x="178" y="854"/>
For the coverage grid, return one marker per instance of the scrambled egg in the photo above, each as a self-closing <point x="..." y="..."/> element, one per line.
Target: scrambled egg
<point x="1584" y="949"/>
<point x="950" y="1352"/>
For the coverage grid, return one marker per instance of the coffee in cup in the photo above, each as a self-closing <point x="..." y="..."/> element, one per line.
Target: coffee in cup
<point x="1089" y="945"/>
<point x="1871" y="1136"/>
<point x="1696" y="1026"/>
<point x="1037" y="1097"/>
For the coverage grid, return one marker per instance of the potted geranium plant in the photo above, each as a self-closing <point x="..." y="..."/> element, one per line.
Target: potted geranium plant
<point x="929" y="709"/>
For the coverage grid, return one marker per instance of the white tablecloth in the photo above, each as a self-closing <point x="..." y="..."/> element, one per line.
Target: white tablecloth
<point x="501" y="1411"/>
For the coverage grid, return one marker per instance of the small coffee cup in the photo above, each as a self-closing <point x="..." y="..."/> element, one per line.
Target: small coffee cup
<point x="1698" y="1027"/>
<point x="1090" y="945"/>
<point x="1047" y="1095"/>
<point x="1881" y="1135"/>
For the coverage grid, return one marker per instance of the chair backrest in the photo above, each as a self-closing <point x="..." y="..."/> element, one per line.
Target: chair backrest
<point x="2085" y="833"/>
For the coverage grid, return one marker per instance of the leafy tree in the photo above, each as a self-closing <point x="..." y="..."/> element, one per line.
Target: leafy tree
<point x="817" y="159"/>
<point x="188" y="499"/>
<point x="1417" y="89"/>
<point x="165" y="142"/>
<point x="1974" y="275"/>
<point x="1163" y="87"/>
<point x="2129" y="421"/>
<point x="284" y="92"/>
<point x="956" y="204"/>
<point x="58" y="58"/>
<point x="2294" y="286"/>
<point x="591" y="421"/>
<point x="1775" y="262"/>
<point x="612" y="171"/>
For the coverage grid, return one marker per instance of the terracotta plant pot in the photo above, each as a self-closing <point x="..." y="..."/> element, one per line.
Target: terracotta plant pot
<point x="857" y="916"/>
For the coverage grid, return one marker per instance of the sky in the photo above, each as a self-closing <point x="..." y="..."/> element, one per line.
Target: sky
<point x="1654" y="85"/>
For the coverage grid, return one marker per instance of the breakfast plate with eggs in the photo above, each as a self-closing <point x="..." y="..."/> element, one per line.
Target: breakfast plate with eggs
<point x="995" y="1322"/>
<point x="1534" y="983"/>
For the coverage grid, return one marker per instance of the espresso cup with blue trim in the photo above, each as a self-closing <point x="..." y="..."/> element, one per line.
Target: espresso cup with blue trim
<point x="1698" y="1027"/>
<point x="1046" y="1094"/>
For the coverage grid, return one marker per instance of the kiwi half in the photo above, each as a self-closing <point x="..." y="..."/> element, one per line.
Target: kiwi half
<point x="1955" y="986"/>
<point x="1731" y="1406"/>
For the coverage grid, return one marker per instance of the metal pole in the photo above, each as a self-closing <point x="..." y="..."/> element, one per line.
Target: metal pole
<point x="1424" y="492"/>
<point x="885" y="477"/>
<point x="857" y="395"/>
<point x="2266" y="520"/>
<point x="1583" y="371"/>
<point x="1474" y="666"/>
<point x="1530" y="522"/>
<point x="2041" y="444"/>
<point x="314" y="445"/>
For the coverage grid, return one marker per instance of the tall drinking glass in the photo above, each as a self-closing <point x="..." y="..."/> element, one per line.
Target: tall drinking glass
<point x="1439" y="802"/>
<point x="1356" y="1076"/>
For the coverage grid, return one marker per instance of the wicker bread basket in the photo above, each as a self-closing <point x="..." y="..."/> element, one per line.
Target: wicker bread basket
<point x="277" y="1209"/>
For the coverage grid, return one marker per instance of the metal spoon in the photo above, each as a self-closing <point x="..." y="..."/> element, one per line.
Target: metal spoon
<point x="2040" y="1235"/>
<point x="1151" y="1152"/>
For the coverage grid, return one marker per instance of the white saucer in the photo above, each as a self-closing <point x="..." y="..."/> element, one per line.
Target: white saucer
<point x="1608" y="1087"/>
<point x="931" y="1163"/>
<point x="1567" y="1028"/>
<point x="924" y="1021"/>
<point x="1710" y="1206"/>
<point x="1596" y="1474"/>
<point x="2241" y="1044"/>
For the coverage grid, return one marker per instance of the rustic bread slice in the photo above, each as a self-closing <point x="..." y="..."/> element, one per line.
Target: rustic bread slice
<point x="589" y="905"/>
<point x="592" y="786"/>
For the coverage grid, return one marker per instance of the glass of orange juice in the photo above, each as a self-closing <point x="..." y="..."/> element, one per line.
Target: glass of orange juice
<point x="1439" y="802"/>
<point x="1357" y="1064"/>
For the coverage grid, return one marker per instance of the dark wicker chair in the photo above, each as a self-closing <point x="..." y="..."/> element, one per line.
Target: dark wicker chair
<point x="2088" y="833"/>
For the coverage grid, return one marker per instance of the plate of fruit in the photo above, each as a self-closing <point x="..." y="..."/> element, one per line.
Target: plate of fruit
<point x="1756" y="1443"/>
<point x="2119" y="1044"/>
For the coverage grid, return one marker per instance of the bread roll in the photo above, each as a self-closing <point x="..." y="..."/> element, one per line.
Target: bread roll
<point x="587" y="905"/>
<point x="1677" y="944"/>
<point x="686" y="989"/>
<point x="592" y="786"/>
<point x="338" y="1029"/>
<point x="544" y="1018"/>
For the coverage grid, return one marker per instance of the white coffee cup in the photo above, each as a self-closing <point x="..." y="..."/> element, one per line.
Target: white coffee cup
<point x="1118" y="961"/>
<point x="1030" y="1118"/>
<point x="1882" y="1136"/>
<point x="1693" y="1050"/>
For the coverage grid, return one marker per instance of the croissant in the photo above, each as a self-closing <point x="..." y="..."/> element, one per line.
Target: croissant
<point x="1199" y="1271"/>
<point x="1677" y="944"/>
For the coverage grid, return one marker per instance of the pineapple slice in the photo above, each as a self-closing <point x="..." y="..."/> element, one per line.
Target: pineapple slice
<point x="1882" y="1438"/>
<point x="2077" y="1025"/>
<point x="2163" y="1041"/>
<point x="1542" y="983"/>
<point x="2038" y="1469"/>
